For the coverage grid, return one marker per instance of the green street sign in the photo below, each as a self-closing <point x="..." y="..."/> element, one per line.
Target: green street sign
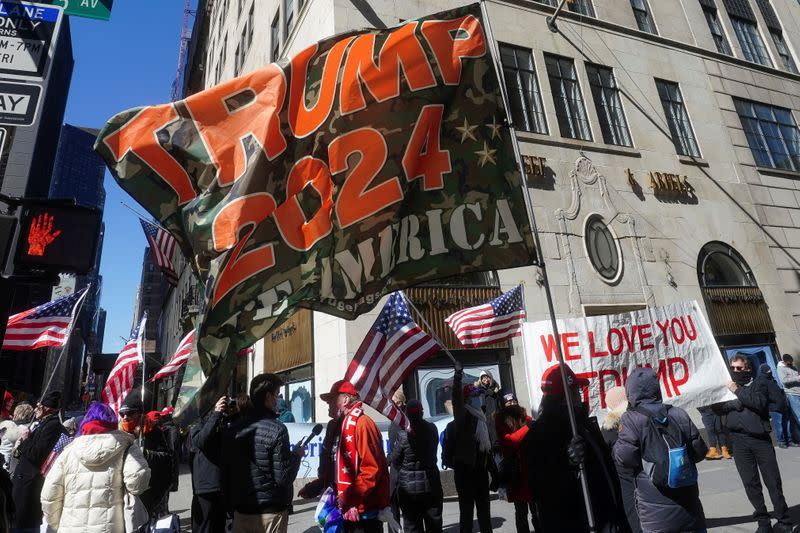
<point x="93" y="9"/>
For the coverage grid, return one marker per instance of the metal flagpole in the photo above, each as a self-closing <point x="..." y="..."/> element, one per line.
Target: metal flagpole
<point x="140" y="344"/>
<point x="535" y="233"/>
<point x="522" y="330"/>
<point x="73" y="317"/>
<point x="433" y="332"/>
<point x="146" y="218"/>
<point x="551" y="21"/>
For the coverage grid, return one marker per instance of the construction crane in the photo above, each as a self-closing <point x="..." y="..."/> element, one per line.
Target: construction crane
<point x="185" y="36"/>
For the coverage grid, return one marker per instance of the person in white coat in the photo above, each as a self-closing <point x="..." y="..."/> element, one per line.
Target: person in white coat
<point x="85" y="489"/>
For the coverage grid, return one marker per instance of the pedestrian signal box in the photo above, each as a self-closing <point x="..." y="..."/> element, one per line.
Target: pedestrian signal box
<point x="57" y="238"/>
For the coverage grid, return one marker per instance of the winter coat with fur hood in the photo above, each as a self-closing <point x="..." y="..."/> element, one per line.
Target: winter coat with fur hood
<point x="84" y="490"/>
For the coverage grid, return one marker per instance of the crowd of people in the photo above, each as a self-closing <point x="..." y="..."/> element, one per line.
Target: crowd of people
<point x="108" y="472"/>
<point x="113" y="472"/>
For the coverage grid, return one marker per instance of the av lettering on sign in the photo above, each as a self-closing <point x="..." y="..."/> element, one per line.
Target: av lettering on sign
<point x="93" y="9"/>
<point x="366" y="163"/>
<point x="18" y="103"/>
<point x="28" y="35"/>
<point x="675" y="340"/>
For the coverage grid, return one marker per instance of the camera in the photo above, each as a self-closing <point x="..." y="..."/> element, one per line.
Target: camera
<point x="230" y="403"/>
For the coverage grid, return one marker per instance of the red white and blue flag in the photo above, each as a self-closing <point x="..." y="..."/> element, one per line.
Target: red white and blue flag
<point x="163" y="246"/>
<point x="496" y="321"/>
<point x="61" y="443"/>
<point x="120" y="379"/>
<point x="46" y="325"/>
<point x="394" y="346"/>
<point x="179" y="359"/>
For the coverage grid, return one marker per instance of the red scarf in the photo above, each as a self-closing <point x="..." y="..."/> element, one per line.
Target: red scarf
<point x="347" y="461"/>
<point x="96" y="427"/>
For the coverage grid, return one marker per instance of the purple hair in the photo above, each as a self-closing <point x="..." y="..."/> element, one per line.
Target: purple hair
<point x="98" y="411"/>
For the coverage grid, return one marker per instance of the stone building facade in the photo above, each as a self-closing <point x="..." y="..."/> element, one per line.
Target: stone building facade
<point x="661" y="145"/>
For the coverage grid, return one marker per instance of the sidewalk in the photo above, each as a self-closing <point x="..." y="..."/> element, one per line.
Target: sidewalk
<point x="726" y="506"/>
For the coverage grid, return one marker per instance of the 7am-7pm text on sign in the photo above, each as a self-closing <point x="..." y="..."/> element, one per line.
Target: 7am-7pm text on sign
<point x="28" y="33"/>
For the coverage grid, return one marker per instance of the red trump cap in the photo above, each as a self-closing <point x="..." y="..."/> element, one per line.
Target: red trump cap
<point x="552" y="384"/>
<point x="339" y="387"/>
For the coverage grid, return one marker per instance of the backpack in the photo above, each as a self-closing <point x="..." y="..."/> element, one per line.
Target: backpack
<point x="666" y="461"/>
<point x="449" y="445"/>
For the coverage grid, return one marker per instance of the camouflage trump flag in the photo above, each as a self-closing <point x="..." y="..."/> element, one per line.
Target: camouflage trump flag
<point x="366" y="163"/>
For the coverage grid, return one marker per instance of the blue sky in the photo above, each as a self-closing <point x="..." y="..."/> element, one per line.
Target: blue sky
<point x="126" y="62"/>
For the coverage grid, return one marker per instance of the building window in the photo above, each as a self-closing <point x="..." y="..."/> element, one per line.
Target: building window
<point x="250" y="23"/>
<point x="750" y="40"/>
<point x="584" y="7"/>
<point x="602" y="249"/>
<point x="523" y="88"/>
<point x="644" y="19"/>
<point x="237" y="60"/>
<point x="717" y="33"/>
<point x="275" y="38"/>
<point x="771" y="133"/>
<point x="609" y="106"/>
<point x="436" y="384"/>
<point x="567" y="97"/>
<point x="680" y="128"/>
<point x="719" y="265"/>
<point x="783" y="51"/>
<point x="288" y="15"/>
<point x="222" y="58"/>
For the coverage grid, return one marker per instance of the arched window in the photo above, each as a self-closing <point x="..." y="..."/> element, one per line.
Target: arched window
<point x="719" y="265"/>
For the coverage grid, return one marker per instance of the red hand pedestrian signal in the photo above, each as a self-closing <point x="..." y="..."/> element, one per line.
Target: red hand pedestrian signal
<point x="41" y="234"/>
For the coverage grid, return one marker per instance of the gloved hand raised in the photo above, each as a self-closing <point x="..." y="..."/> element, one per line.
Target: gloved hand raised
<point x="576" y="451"/>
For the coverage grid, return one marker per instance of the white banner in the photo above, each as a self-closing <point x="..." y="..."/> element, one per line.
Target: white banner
<point x="675" y="340"/>
<point x="310" y="462"/>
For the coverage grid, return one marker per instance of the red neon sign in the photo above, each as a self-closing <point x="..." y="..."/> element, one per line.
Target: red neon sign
<point x="41" y="234"/>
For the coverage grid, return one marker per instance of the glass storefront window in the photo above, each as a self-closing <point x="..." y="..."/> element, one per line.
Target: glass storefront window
<point x="436" y="384"/>
<point x="300" y="400"/>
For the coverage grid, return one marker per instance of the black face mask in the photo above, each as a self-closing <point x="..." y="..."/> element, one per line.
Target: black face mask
<point x="742" y="378"/>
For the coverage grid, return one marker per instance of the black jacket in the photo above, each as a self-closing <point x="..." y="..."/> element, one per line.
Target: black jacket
<point x="172" y="434"/>
<point x="661" y="510"/>
<point x="467" y="452"/>
<point x="207" y="443"/>
<point x="259" y="466"/>
<point x="159" y="458"/>
<point x="414" y="457"/>
<point x="554" y="483"/>
<point x="776" y="398"/>
<point x="748" y="413"/>
<point x="27" y="479"/>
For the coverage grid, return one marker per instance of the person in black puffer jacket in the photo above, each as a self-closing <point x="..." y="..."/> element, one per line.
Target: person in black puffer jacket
<point x="259" y="468"/>
<point x="419" y="487"/>
<point x="747" y="418"/>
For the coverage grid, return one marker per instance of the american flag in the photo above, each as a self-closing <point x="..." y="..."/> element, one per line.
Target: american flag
<point x="490" y="323"/>
<point x="120" y="379"/>
<point x="61" y="443"/>
<point x="45" y="325"/>
<point x="163" y="246"/>
<point x="393" y="347"/>
<point x="179" y="359"/>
